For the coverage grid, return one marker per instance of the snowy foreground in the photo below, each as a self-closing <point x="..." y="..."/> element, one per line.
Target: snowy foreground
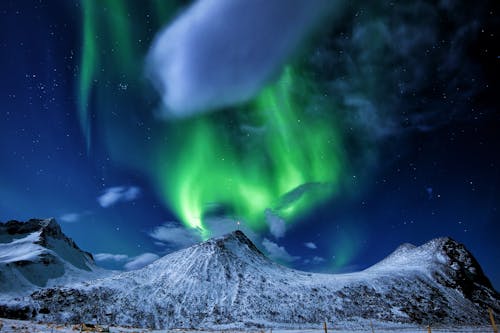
<point x="10" y="325"/>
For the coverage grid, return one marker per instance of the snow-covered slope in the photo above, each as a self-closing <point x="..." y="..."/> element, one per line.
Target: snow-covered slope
<point x="37" y="254"/>
<point x="227" y="282"/>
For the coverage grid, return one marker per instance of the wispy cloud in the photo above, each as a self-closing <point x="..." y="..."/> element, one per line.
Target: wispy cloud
<point x="310" y="245"/>
<point x="198" y="66"/>
<point x="129" y="263"/>
<point x="171" y="233"/>
<point x="141" y="261"/>
<point x="277" y="252"/>
<point x="314" y="260"/>
<point x="70" y="217"/>
<point x="73" y="217"/>
<point x="113" y="195"/>
<point x="277" y="226"/>
<point x="111" y="257"/>
<point x="402" y="33"/>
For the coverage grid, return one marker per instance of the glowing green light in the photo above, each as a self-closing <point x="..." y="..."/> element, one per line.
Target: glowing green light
<point x="282" y="151"/>
<point x="294" y="149"/>
<point x="88" y="67"/>
<point x="345" y="244"/>
<point x="119" y="28"/>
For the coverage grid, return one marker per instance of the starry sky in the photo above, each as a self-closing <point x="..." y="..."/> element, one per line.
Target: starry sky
<point x="330" y="132"/>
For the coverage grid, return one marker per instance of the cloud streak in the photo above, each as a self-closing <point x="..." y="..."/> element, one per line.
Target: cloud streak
<point x="310" y="245"/>
<point x="73" y="217"/>
<point x="402" y="47"/>
<point x="277" y="252"/>
<point x="316" y="260"/>
<point x="130" y="263"/>
<point x="113" y="195"/>
<point x="111" y="257"/>
<point x="175" y="234"/>
<point x="141" y="261"/>
<point x="221" y="52"/>
<point x="277" y="226"/>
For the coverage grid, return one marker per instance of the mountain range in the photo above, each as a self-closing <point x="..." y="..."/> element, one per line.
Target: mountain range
<point x="227" y="282"/>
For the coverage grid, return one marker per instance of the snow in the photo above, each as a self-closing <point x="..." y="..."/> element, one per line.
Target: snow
<point x="11" y="326"/>
<point x="36" y="254"/>
<point x="226" y="283"/>
<point x="21" y="249"/>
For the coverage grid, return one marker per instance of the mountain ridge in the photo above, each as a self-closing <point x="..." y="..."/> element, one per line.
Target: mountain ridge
<point x="36" y="254"/>
<point x="227" y="282"/>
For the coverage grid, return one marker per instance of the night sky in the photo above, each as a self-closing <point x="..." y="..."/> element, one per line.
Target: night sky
<point x="338" y="138"/>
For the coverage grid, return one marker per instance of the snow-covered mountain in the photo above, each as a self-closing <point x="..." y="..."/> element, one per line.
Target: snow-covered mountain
<point x="227" y="282"/>
<point x="36" y="254"/>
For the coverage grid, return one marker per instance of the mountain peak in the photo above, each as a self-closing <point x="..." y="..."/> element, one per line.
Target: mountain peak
<point x="219" y="258"/>
<point x="37" y="253"/>
<point x="46" y="223"/>
<point x="234" y="239"/>
<point x="237" y="235"/>
<point x="16" y="227"/>
<point x="48" y="228"/>
<point x="463" y="265"/>
<point x="442" y="255"/>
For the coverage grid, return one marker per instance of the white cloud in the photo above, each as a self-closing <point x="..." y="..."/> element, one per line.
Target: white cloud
<point x="310" y="245"/>
<point x="178" y="236"/>
<point x="70" y="217"/>
<point x="222" y="52"/>
<point x="317" y="260"/>
<point x="73" y="217"/>
<point x="277" y="252"/>
<point x="174" y="234"/>
<point x="277" y="226"/>
<point x="314" y="260"/>
<point x="111" y="257"/>
<point x="131" y="263"/>
<point x="141" y="260"/>
<point x="113" y="195"/>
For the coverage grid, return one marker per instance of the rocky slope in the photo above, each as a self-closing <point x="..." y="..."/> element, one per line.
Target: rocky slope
<point x="227" y="282"/>
<point x="36" y="254"/>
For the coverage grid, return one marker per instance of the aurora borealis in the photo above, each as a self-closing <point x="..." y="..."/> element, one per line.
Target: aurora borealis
<point x="203" y="163"/>
<point x="249" y="177"/>
<point x="378" y="128"/>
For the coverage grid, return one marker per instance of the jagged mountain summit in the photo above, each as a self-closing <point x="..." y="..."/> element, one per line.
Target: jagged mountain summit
<point x="36" y="254"/>
<point x="226" y="282"/>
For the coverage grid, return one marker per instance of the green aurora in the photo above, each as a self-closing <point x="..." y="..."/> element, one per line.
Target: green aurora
<point x="281" y="152"/>
<point x="293" y="161"/>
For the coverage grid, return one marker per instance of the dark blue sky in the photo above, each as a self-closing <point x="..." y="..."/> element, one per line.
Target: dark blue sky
<point x="435" y="171"/>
